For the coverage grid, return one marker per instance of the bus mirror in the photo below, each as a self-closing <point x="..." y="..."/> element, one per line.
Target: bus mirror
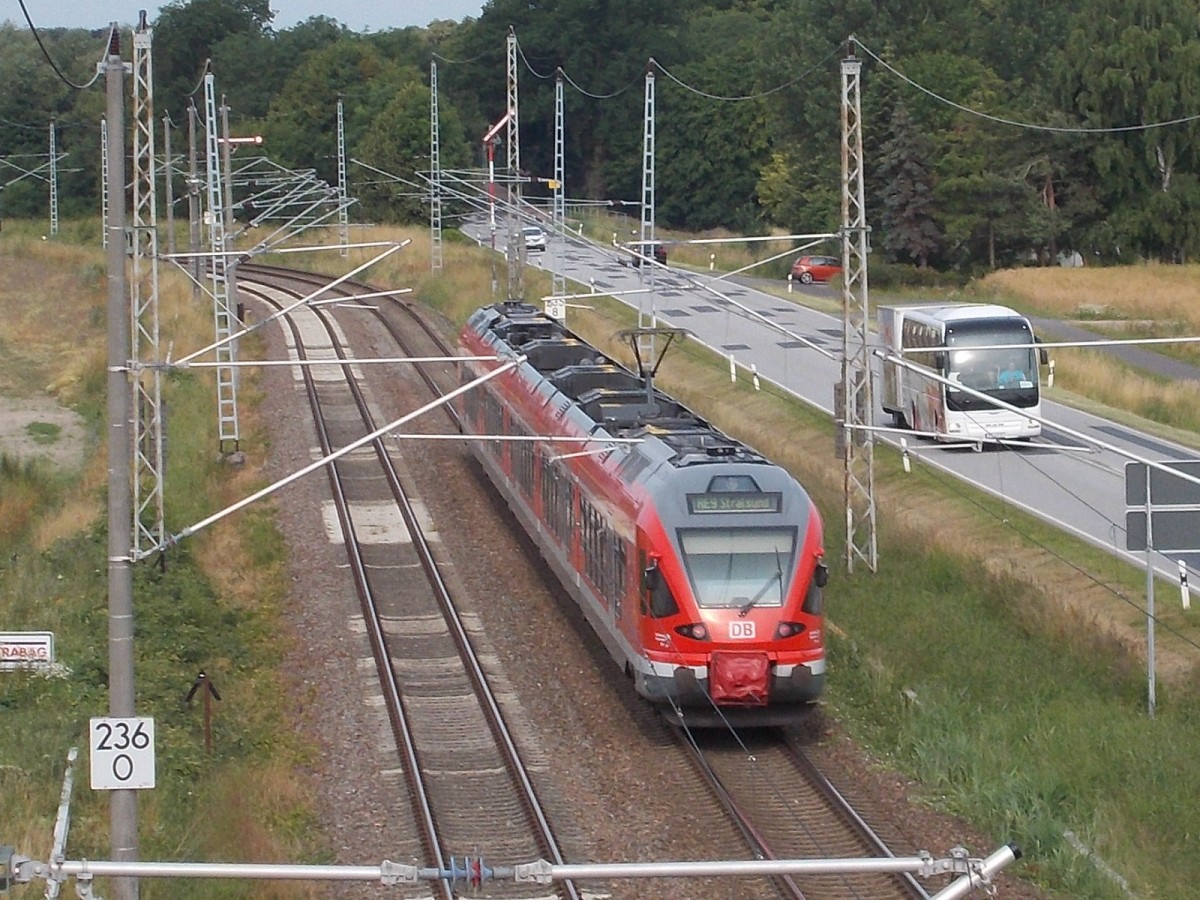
<point x="1043" y="356"/>
<point x="821" y="575"/>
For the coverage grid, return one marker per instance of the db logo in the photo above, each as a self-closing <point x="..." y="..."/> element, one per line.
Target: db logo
<point x="741" y="630"/>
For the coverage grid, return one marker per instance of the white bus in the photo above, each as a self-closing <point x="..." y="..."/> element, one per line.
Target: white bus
<point x="964" y="343"/>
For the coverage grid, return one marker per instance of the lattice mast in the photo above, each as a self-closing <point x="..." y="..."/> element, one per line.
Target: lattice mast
<point x="516" y="245"/>
<point x="646" y="310"/>
<point x="223" y="317"/>
<point x="53" y="177"/>
<point x="559" y="191"/>
<point x="435" y="174"/>
<point x="226" y="170"/>
<point x="169" y="183"/>
<point x="193" y="184"/>
<point x="855" y="403"/>
<point x="104" y="182"/>
<point x="343" y="203"/>
<point x="149" y="528"/>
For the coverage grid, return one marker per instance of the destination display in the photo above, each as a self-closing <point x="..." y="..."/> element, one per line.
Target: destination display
<point x="764" y="502"/>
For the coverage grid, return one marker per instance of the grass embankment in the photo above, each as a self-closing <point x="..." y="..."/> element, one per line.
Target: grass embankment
<point x="216" y="607"/>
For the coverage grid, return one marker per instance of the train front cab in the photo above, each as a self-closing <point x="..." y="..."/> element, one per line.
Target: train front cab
<point x="731" y="612"/>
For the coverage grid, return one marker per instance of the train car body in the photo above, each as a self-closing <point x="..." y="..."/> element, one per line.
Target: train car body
<point x="698" y="562"/>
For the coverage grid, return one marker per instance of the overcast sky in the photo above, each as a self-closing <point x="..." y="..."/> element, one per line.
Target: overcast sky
<point x="359" y="15"/>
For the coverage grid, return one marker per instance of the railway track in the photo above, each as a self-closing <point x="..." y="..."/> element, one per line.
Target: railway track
<point x="781" y="805"/>
<point x="786" y="809"/>
<point x="470" y="787"/>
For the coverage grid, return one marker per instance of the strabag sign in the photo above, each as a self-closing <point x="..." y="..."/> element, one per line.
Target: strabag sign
<point x="26" y="649"/>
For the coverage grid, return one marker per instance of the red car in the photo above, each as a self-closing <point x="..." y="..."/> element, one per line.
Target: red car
<point x="808" y="269"/>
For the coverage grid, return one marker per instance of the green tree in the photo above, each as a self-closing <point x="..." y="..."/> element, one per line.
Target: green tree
<point x="910" y="233"/>
<point x="709" y="152"/>
<point x="604" y="47"/>
<point x="301" y="128"/>
<point x="1137" y="63"/>
<point x="185" y="37"/>
<point x="34" y="95"/>
<point x="397" y="142"/>
<point x="252" y="67"/>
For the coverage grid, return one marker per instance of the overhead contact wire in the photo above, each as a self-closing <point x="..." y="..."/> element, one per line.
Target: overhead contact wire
<point x="53" y="65"/>
<point x="1031" y="126"/>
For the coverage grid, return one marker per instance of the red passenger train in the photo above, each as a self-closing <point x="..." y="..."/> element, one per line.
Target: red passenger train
<point x="698" y="562"/>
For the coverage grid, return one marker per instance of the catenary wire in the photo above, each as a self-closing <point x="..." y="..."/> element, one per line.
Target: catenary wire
<point x="528" y="64"/>
<point x="53" y="65"/>
<point x="1057" y="129"/>
<point x="768" y="92"/>
<point x="447" y="59"/>
<point x="963" y="493"/>
<point x="567" y="78"/>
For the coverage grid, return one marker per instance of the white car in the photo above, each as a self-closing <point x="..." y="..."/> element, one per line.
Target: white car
<point x="535" y="238"/>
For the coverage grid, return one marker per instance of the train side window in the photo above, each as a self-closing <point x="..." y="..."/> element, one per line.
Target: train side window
<point x="662" y="601"/>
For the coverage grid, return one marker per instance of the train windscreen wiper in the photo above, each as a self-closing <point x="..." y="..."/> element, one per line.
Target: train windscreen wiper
<point x="777" y="577"/>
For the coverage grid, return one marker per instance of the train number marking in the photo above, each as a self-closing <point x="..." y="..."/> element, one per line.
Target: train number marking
<point x="743" y="631"/>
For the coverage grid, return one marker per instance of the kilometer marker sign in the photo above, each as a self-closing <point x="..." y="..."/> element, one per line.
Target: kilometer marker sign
<point x="122" y="753"/>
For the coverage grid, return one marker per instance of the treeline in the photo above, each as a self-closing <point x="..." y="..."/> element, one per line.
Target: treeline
<point x="997" y="133"/>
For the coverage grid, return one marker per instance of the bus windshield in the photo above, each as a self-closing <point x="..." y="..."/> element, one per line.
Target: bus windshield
<point x="741" y="567"/>
<point x="1010" y="374"/>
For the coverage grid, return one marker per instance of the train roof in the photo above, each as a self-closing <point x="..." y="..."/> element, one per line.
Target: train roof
<point x="599" y="395"/>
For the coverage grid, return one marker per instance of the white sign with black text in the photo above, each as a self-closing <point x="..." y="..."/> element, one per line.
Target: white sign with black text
<point x="26" y="649"/>
<point x="122" y="753"/>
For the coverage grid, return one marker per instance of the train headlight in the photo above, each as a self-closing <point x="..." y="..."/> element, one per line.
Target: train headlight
<point x="788" y="629"/>
<point x="695" y="630"/>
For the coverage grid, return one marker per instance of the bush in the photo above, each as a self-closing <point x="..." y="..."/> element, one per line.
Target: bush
<point x="895" y="276"/>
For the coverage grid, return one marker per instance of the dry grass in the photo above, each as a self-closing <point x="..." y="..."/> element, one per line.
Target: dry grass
<point x="1152" y="291"/>
<point x="80" y="509"/>
<point x="17" y="507"/>
<point x="52" y="301"/>
<point x="1101" y="379"/>
<point x="52" y="306"/>
<point x="222" y="550"/>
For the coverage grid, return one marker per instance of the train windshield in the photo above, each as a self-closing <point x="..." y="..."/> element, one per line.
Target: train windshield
<point x="738" y="567"/>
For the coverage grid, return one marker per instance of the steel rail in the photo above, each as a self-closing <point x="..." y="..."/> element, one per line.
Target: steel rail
<point x="387" y="677"/>
<point x="543" y="832"/>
